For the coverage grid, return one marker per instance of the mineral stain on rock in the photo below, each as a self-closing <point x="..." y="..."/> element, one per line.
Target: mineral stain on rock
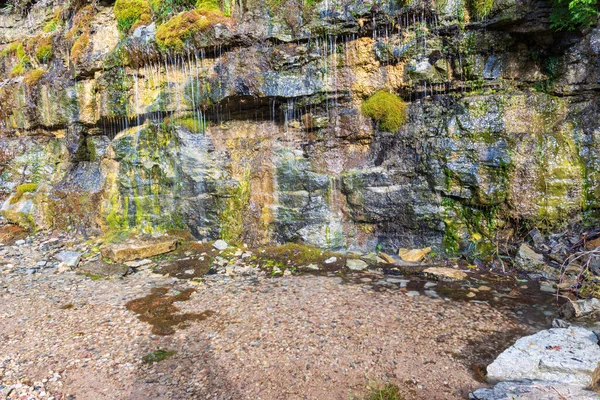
<point x="159" y="310"/>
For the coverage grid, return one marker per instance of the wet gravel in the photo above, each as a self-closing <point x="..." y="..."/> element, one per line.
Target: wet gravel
<point x="64" y="335"/>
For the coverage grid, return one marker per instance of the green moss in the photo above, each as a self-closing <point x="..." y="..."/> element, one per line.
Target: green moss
<point x="233" y="208"/>
<point x="175" y="33"/>
<point x="132" y="13"/>
<point x="22" y="189"/>
<point x="191" y="124"/>
<point x="388" y="109"/>
<point x="292" y="256"/>
<point x="44" y="53"/>
<point x="157" y="356"/>
<point x="480" y="8"/>
<point x="208" y="5"/>
<point x="469" y="228"/>
<point x="18" y="69"/>
<point x="34" y="77"/>
<point x="80" y="46"/>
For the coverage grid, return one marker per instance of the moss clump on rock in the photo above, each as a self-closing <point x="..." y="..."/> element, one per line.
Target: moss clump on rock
<point x="22" y="189"/>
<point x="480" y="8"/>
<point x="191" y="124"/>
<point x="162" y="9"/>
<point x="208" y="5"/>
<point x="388" y="109"/>
<point x="44" y="49"/>
<point x="80" y="46"/>
<point x="174" y="34"/>
<point x="34" y="77"/>
<point x="132" y="13"/>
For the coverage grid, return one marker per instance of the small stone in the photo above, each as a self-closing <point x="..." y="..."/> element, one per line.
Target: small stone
<point x="470" y="295"/>
<point x="413" y="293"/>
<point x="20" y="242"/>
<point x="484" y="288"/>
<point x="70" y="258"/>
<point x="415" y="255"/>
<point x="446" y="273"/>
<point x="220" y="245"/>
<point x="387" y="258"/>
<point x="312" y="267"/>
<point x="356" y="265"/>
<point x="331" y="260"/>
<point x="138" y="264"/>
<point x="403" y="282"/>
<point x="190" y="272"/>
<point x="547" y="287"/>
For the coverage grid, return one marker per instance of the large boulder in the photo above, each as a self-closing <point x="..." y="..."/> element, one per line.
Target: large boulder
<point x="534" y="391"/>
<point x="566" y="355"/>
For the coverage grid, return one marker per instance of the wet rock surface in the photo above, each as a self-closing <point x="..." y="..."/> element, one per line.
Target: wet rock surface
<point x="235" y="331"/>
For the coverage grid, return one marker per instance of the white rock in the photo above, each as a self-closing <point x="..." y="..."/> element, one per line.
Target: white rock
<point x="534" y="391"/>
<point x="70" y="258"/>
<point x="138" y="263"/>
<point x="331" y="260"/>
<point x="356" y="265"/>
<point x="20" y="242"/>
<point x="220" y="245"/>
<point x="566" y="355"/>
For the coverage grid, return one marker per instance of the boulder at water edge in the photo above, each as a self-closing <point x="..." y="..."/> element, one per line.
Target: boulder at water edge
<point x="566" y="355"/>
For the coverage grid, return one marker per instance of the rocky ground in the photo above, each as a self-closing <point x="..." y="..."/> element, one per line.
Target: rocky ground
<point x="65" y="334"/>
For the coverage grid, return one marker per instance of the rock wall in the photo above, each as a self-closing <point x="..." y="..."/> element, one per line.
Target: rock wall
<point x="246" y="123"/>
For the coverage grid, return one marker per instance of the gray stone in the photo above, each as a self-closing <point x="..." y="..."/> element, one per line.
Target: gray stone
<point x="311" y="267"/>
<point x="533" y="391"/>
<point x="220" y="245"/>
<point x="331" y="260"/>
<point x="588" y="308"/>
<point x="547" y="287"/>
<point x="567" y="355"/>
<point x="356" y="265"/>
<point x="528" y="260"/>
<point x="20" y="242"/>
<point x="69" y="258"/>
<point x="103" y="269"/>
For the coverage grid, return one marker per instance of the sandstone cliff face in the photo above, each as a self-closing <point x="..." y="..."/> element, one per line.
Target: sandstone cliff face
<point x="252" y="128"/>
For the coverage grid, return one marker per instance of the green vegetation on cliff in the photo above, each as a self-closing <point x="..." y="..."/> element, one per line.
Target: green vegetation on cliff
<point x="34" y="77"/>
<point x="568" y="15"/>
<point x="162" y="9"/>
<point x="174" y="34"/>
<point x="480" y="8"/>
<point x="132" y="13"/>
<point x="388" y="109"/>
